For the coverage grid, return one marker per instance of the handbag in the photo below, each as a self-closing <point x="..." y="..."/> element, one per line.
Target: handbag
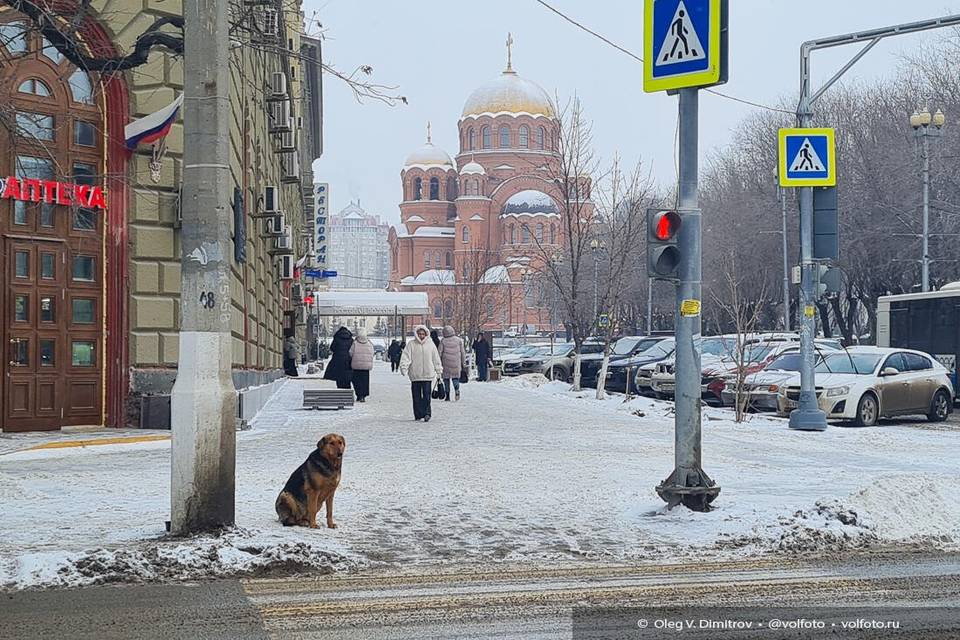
<point x="464" y="376"/>
<point x="439" y="392"/>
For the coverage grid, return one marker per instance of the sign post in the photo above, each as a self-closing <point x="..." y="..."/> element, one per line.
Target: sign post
<point x="683" y="52"/>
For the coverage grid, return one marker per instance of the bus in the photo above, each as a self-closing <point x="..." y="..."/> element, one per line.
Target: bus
<point x="928" y="322"/>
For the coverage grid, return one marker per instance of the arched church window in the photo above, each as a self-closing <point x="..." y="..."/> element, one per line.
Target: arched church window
<point x="471" y="139"/>
<point x="449" y="259"/>
<point x="541" y="136"/>
<point x="436" y="258"/>
<point x="553" y="234"/>
<point x="504" y="137"/>
<point x="466" y="235"/>
<point x="513" y="234"/>
<point x="51" y="52"/>
<point x="466" y="273"/>
<point x="448" y="309"/>
<point x="477" y="188"/>
<point x="13" y="36"/>
<point x="539" y="233"/>
<point x="489" y="307"/>
<point x="437" y="309"/>
<point x="81" y="87"/>
<point x="434" y="188"/>
<point x="418" y="189"/>
<point x="426" y="259"/>
<point x="524" y="137"/>
<point x="34" y="87"/>
<point x="525" y="234"/>
<point x="451" y="189"/>
<point x="487" y="138"/>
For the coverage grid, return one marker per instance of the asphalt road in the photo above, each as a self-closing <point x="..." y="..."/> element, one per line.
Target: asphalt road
<point x="493" y="602"/>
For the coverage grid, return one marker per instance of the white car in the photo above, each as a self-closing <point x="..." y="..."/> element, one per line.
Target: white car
<point x="863" y="384"/>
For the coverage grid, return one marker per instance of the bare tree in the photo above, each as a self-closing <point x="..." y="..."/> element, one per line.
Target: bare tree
<point x="742" y="301"/>
<point x="619" y="222"/>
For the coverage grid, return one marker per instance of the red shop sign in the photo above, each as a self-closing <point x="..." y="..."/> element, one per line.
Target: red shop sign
<point x="52" y="192"/>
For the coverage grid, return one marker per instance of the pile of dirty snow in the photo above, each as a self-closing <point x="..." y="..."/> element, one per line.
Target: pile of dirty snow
<point x="526" y="381"/>
<point x="233" y="553"/>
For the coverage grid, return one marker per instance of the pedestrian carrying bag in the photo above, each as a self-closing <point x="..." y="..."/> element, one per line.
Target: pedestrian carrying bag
<point x="464" y="376"/>
<point x="438" y="392"/>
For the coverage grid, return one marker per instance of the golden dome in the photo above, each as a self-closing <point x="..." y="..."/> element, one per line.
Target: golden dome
<point x="509" y="93"/>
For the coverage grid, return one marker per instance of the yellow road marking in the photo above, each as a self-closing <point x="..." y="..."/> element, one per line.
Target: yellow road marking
<point x="93" y="442"/>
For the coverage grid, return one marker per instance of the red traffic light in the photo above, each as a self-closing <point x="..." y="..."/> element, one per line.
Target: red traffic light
<point x="666" y="224"/>
<point x="308" y="299"/>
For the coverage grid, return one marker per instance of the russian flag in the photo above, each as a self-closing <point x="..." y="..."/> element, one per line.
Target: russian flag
<point x="152" y="127"/>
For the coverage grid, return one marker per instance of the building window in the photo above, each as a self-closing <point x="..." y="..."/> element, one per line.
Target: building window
<point x="83" y="311"/>
<point x="21" y="264"/>
<point x="553" y="234"/>
<point x="83" y="354"/>
<point x="84" y="268"/>
<point x="524" y="234"/>
<point x="48" y="353"/>
<point x="513" y="234"/>
<point x="448" y="309"/>
<point x="48" y="266"/>
<point x="504" y="138"/>
<point x="434" y="188"/>
<point x="451" y="189"/>
<point x="449" y="259"/>
<point x="13" y="35"/>
<point x="38" y="126"/>
<point x="84" y="219"/>
<point x="436" y="258"/>
<point x="539" y="233"/>
<point x="20" y="352"/>
<point x="437" y="309"/>
<point x="48" y="309"/>
<point x="541" y="136"/>
<point x="477" y="191"/>
<point x="466" y="273"/>
<point x="426" y="259"/>
<point x="471" y="139"/>
<point x="81" y="87"/>
<point x="84" y="133"/>
<point x="51" y="52"/>
<point x="34" y="87"/>
<point x="418" y="189"/>
<point x="489" y="306"/>
<point x="21" y="308"/>
<point x="487" y="137"/>
<point x="466" y="235"/>
<point x="524" y="137"/>
<point x="39" y="169"/>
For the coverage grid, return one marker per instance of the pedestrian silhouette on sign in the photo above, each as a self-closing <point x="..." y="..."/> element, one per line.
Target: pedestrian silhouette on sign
<point x="806" y="161"/>
<point x="679" y="33"/>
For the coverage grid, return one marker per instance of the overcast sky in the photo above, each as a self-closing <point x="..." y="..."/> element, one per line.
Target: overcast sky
<point x="438" y="51"/>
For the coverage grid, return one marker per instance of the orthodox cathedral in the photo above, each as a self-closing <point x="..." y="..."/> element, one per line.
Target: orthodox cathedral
<point x="474" y="228"/>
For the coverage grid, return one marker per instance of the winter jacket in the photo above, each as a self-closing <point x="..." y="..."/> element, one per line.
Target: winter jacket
<point x="482" y="349"/>
<point x="361" y="354"/>
<point x="290" y="349"/>
<point x="453" y="357"/>
<point x="435" y="336"/>
<point x="420" y="360"/>
<point x="339" y="367"/>
<point x="394" y="351"/>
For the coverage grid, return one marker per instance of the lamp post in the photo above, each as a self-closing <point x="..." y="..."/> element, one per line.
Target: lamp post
<point x="921" y="121"/>
<point x="596" y="246"/>
<point x="523" y="298"/>
<point x="782" y="198"/>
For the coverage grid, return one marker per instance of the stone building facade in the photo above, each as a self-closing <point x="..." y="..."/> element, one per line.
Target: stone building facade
<point x="475" y="228"/>
<point x="112" y="339"/>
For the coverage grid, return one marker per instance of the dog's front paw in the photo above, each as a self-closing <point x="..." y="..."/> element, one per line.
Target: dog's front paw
<point x="331" y="524"/>
<point x="314" y="525"/>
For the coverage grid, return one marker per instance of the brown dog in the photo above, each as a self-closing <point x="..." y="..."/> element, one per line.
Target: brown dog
<point x="313" y="482"/>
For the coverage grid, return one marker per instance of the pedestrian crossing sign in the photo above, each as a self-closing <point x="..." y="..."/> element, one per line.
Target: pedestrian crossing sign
<point x="681" y="44"/>
<point x="807" y="158"/>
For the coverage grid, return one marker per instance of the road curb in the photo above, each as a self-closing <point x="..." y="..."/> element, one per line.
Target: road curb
<point x="93" y="442"/>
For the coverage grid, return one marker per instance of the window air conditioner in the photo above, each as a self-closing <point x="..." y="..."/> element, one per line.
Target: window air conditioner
<point x="271" y="199"/>
<point x="276" y="225"/>
<point x="278" y="84"/>
<point x="286" y="267"/>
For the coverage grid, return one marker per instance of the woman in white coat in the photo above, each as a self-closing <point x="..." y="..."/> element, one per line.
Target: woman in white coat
<point x="421" y="363"/>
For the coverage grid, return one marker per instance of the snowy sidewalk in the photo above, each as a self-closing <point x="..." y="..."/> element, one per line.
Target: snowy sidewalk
<point x="509" y="473"/>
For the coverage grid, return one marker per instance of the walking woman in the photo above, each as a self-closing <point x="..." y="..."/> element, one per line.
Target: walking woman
<point x="361" y="361"/>
<point x="393" y="352"/>
<point x="339" y="367"/>
<point x="421" y="363"/>
<point x="453" y="357"/>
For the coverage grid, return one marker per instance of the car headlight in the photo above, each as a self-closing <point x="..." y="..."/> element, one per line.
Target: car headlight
<point x="836" y="392"/>
<point x="773" y="388"/>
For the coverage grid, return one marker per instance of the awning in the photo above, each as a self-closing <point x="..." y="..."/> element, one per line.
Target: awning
<point x="371" y="303"/>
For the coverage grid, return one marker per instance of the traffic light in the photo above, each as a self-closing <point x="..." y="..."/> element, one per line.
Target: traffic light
<point x="663" y="255"/>
<point x="827" y="281"/>
<point x="308" y="299"/>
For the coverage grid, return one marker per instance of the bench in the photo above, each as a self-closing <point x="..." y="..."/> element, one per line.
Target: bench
<point x="327" y="398"/>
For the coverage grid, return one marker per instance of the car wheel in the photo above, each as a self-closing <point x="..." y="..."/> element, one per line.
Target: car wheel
<point x="868" y="410"/>
<point x="940" y="407"/>
<point x="557" y="373"/>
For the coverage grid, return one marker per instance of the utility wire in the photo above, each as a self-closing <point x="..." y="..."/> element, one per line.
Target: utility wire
<point x="640" y="60"/>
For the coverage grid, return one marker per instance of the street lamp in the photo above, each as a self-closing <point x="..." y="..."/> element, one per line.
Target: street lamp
<point x="523" y="305"/>
<point x="921" y="121"/>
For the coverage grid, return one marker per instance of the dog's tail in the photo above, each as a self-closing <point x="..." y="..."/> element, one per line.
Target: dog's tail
<point x="287" y="509"/>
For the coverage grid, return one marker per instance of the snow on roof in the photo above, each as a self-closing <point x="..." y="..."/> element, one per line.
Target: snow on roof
<point x="427" y="157"/>
<point x="472" y="168"/>
<point x="495" y="275"/>
<point x="505" y="167"/>
<point x="435" y="232"/>
<point x="436" y="276"/>
<point x="477" y="217"/>
<point x="509" y="93"/>
<point x="371" y="303"/>
<point x="415" y="218"/>
<point x="530" y="201"/>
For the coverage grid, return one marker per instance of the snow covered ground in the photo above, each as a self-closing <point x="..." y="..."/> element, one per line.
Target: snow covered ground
<point x="518" y="471"/>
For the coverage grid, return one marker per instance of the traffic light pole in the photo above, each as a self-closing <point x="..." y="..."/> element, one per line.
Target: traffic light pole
<point x="688" y="484"/>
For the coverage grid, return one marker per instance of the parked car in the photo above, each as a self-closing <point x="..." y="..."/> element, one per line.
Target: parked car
<point x="625" y="347"/>
<point x="863" y="384"/>
<point x="556" y="362"/>
<point x="660" y="380"/>
<point x="619" y="371"/>
<point x="514" y="355"/>
<point x="763" y="387"/>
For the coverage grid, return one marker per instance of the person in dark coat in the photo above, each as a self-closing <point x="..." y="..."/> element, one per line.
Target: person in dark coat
<point x="484" y="356"/>
<point x="339" y="367"/>
<point x="435" y="336"/>
<point x="290" y="356"/>
<point x="394" y="351"/>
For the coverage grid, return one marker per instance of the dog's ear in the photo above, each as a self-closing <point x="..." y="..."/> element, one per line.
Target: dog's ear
<point x="322" y="442"/>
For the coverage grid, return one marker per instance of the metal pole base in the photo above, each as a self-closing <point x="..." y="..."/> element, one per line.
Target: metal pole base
<point x="691" y="487"/>
<point x="808" y="420"/>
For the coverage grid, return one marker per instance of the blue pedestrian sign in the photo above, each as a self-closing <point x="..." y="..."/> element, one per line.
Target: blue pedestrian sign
<point x="681" y="44"/>
<point x="317" y="273"/>
<point x="807" y="158"/>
